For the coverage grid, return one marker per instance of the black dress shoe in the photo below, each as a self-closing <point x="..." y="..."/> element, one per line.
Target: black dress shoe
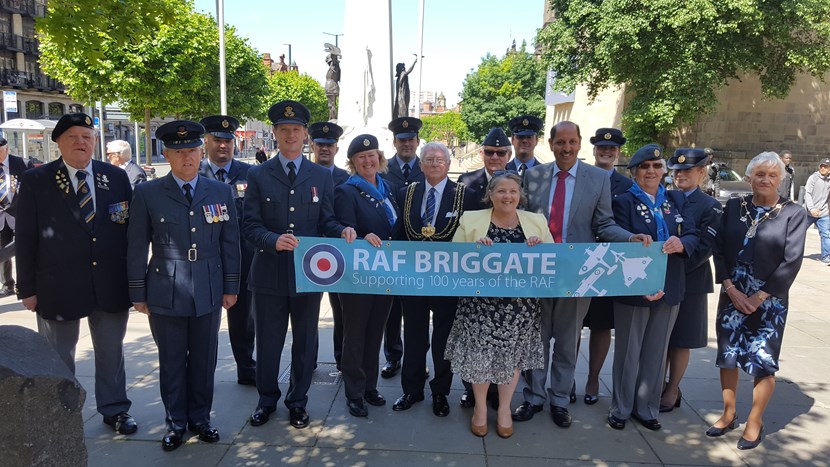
<point x="440" y="405"/>
<point x="561" y="416"/>
<point x="357" y="408"/>
<point x="206" y="432"/>
<point x="374" y="398"/>
<point x="525" y="412"/>
<point x="590" y="399"/>
<point x="616" y="423"/>
<point x="669" y="408"/>
<point x="468" y="400"/>
<point x="122" y="423"/>
<point x="261" y="415"/>
<point x="744" y="444"/>
<point x="406" y="401"/>
<point x="652" y="424"/>
<point x="172" y="440"/>
<point x="390" y="369"/>
<point x="298" y="417"/>
<point x="714" y="431"/>
<point x="493" y="398"/>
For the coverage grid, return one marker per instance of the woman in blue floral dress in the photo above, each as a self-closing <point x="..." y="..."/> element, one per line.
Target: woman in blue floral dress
<point x="758" y="255"/>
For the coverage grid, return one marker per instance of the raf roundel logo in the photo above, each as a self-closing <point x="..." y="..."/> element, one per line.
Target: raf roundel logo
<point x="324" y="264"/>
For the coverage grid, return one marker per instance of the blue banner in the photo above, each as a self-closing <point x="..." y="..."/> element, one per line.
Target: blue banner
<point x="471" y="269"/>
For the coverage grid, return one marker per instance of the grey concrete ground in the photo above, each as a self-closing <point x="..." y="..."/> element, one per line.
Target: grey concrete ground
<point x="797" y="420"/>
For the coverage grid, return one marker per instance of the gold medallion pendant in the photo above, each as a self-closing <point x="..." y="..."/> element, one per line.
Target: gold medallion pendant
<point x="428" y="231"/>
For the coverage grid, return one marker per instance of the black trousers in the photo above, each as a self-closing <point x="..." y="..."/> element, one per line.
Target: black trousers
<point x="6" y="276"/>
<point x="416" y="313"/>
<point x="364" y="317"/>
<point x="241" y="333"/>
<point x="392" y="343"/>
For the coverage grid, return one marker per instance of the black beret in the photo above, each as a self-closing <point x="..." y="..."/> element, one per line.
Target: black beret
<point x="649" y="152"/>
<point x="69" y="120"/>
<point x="181" y="134"/>
<point x="405" y="127"/>
<point x="608" y="137"/>
<point x="686" y="158"/>
<point x="496" y="138"/>
<point x="325" y="132"/>
<point x="3" y="142"/>
<point x="289" y="112"/>
<point x="220" y="126"/>
<point x="525" y="125"/>
<point x="362" y="143"/>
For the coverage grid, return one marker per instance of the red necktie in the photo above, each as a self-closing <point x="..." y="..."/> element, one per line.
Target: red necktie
<point x="557" y="207"/>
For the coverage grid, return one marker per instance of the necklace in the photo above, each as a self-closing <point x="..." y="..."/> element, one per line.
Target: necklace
<point x="753" y="225"/>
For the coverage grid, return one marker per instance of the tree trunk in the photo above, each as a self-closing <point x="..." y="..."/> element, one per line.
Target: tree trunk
<point x="148" y="150"/>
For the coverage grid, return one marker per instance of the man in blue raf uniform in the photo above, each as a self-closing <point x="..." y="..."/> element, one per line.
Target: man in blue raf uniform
<point x="190" y="222"/>
<point x="71" y="258"/>
<point x="220" y="165"/>
<point x="495" y="152"/>
<point x="287" y="197"/>
<point x="524" y="131"/>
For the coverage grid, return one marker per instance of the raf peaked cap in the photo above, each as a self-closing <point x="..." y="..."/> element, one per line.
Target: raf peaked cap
<point x="686" y="158"/>
<point x="362" y="143"/>
<point x="525" y="125"/>
<point x="405" y="127"/>
<point x="325" y="132"/>
<point x="289" y="112"/>
<point x="649" y="152"/>
<point x="220" y="126"/>
<point x="181" y="134"/>
<point x="496" y="138"/>
<point x="68" y="121"/>
<point x="608" y="137"/>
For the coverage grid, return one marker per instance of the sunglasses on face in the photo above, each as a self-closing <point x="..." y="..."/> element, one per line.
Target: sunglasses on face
<point x="491" y="152"/>
<point x="655" y="166"/>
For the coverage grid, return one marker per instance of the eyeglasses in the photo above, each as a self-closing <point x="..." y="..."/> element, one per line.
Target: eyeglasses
<point x="439" y="162"/>
<point x="491" y="152"/>
<point x="499" y="173"/>
<point x="646" y="166"/>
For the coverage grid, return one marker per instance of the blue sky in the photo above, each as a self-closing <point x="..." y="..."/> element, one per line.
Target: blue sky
<point x="457" y="34"/>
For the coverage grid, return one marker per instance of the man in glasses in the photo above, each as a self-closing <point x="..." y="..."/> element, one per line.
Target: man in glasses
<point x="495" y="152"/>
<point x="524" y="131"/>
<point x="120" y="154"/>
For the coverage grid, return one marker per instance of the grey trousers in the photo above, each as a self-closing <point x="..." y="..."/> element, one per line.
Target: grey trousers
<point x="561" y="321"/>
<point x="641" y="338"/>
<point x="107" y="331"/>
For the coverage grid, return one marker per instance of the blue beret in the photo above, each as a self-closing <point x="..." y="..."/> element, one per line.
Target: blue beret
<point x="525" y="125"/>
<point x="405" y="127"/>
<point x="289" y="112"/>
<point x="181" y="134"/>
<point x="686" y="158"/>
<point x="325" y="132"/>
<point x="496" y="138"/>
<point x="220" y="126"/>
<point x="649" y="152"/>
<point x="362" y="143"/>
<point x="68" y="121"/>
<point x="608" y="137"/>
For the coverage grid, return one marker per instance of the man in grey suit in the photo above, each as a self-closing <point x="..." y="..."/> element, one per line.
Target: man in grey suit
<point x="576" y="199"/>
<point x="120" y="155"/>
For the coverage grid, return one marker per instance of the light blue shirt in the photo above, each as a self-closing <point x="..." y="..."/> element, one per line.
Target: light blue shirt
<point x="181" y="183"/>
<point x="284" y="162"/>
<point x="401" y="163"/>
<point x="215" y="168"/>
<point x="570" y="183"/>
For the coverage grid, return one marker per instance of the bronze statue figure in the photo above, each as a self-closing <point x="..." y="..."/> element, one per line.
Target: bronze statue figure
<point x="401" y="108"/>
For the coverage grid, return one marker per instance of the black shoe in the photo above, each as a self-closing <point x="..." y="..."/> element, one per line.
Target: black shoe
<point x="172" y="440"/>
<point x="714" y="431"/>
<point x="206" y="432"/>
<point x="744" y="444"/>
<point x="590" y="399"/>
<point x="261" y="415"/>
<point x="390" y="369"/>
<point x="652" y="424"/>
<point x="468" y="400"/>
<point x="122" y="423"/>
<point x="561" y="416"/>
<point x="669" y="408"/>
<point x="298" y="417"/>
<point x="406" y="401"/>
<point x="616" y="423"/>
<point x="374" y="398"/>
<point x="493" y="398"/>
<point x="525" y="412"/>
<point x="357" y="408"/>
<point x="440" y="405"/>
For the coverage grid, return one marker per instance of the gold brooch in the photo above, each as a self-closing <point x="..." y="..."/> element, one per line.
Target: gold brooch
<point x="427" y="231"/>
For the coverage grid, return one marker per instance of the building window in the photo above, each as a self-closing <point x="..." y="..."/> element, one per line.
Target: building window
<point x="34" y="110"/>
<point x="75" y="108"/>
<point x="55" y="109"/>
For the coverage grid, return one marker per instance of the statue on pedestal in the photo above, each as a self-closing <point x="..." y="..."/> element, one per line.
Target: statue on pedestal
<point x="401" y="108"/>
<point x="332" y="79"/>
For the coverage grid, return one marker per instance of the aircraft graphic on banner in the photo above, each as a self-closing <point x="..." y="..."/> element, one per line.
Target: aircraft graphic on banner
<point x="632" y="269"/>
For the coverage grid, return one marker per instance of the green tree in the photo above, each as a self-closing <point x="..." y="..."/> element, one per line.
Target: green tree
<point x="673" y="55"/>
<point x="502" y="88"/>
<point x="447" y="127"/>
<point x="301" y="88"/>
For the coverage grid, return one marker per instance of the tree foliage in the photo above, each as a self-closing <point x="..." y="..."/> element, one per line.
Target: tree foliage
<point x="673" y="55"/>
<point x="447" y="127"/>
<point x="301" y="88"/>
<point x="502" y="88"/>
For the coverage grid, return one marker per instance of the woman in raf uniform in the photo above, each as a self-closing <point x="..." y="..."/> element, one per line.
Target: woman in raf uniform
<point x="758" y="254"/>
<point x="365" y="202"/>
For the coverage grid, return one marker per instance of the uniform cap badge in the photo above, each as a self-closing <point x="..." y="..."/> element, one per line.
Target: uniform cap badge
<point x="525" y="122"/>
<point x="405" y="124"/>
<point x="607" y="136"/>
<point x="656" y="153"/>
<point x="182" y="131"/>
<point x="681" y="159"/>
<point x="87" y="120"/>
<point x="289" y="111"/>
<point x="326" y="129"/>
<point x="366" y="142"/>
<point x="225" y="124"/>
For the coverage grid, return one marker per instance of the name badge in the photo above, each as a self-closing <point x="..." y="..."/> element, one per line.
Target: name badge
<point x="119" y="212"/>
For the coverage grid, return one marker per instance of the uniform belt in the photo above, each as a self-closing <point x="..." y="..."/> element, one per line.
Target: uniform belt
<point x="193" y="254"/>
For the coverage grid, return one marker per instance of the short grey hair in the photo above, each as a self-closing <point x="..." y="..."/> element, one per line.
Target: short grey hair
<point x="765" y="158"/>
<point x="121" y="147"/>
<point x="436" y="146"/>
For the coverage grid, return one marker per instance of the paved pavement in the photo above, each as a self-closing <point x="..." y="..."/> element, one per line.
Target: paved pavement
<point x="797" y="420"/>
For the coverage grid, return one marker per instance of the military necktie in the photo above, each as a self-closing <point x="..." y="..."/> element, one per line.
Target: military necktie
<point x="522" y="169"/>
<point x="292" y="172"/>
<point x="429" y="211"/>
<point x="406" y="171"/>
<point x="220" y="175"/>
<point x="4" y="189"/>
<point x="84" y="197"/>
<point x="187" y="192"/>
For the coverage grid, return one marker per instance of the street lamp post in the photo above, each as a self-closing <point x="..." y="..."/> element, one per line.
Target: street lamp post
<point x="336" y="36"/>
